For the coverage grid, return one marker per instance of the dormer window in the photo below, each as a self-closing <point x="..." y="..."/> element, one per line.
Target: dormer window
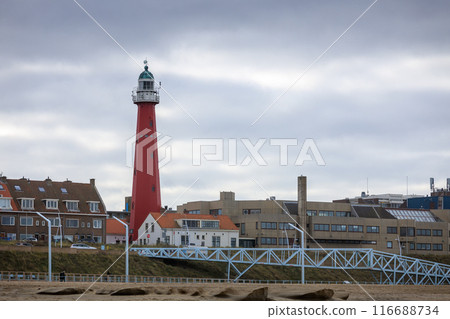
<point x="93" y="207"/>
<point x="1" y="187"/>
<point x="27" y="203"/>
<point x="5" y="203"/>
<point x="72" y="205"/>
<point x="51" y="203"/>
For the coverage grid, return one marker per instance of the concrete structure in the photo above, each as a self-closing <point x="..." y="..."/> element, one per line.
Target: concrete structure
<point x="76" y="210"/>
<point x="146" y="195"/>
<point x="188" y="230"/>
<point x="264" y="223"/>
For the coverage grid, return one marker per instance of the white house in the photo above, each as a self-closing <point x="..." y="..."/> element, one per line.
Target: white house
<point x="188" y="230"/>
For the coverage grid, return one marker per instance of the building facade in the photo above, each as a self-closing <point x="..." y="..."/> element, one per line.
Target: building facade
<point x="197" y="230"/>
<point x="76" y="210"/>
<point x="341" y="224"/>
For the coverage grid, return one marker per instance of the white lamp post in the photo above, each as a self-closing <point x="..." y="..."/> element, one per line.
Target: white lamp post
<point x="49" y="224"/>
<point x="126" y="246"/>
<point x="303" y="251"/>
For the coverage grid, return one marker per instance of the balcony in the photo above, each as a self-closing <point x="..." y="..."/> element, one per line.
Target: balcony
<point x="145" y="96"/>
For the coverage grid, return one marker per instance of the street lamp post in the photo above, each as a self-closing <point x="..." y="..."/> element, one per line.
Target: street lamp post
<point x="126" y="246"/>
<point x="303" y="251"/>
<point x="49" y="224"/>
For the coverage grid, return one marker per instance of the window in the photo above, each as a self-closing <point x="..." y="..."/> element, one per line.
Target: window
<point x="268" y="241"/>
<point x="389" y="244"/>
<point x="282" y="241"/>
<point x="88" y="225"/>
<point x="63" y="190"/>
<point x="355" y="228"/>
<point x="339" y="228"/>
<point x="437" y="232"/>
<point x="146" y="227"/>
<point x="322" y="227"/>
<point x="72" y="223"/>
<point x="98" y="239"/>
<point x="233" y="242"/>
<point x="407" y="231"/>
<point x="210" y="224"/>
<point x="191" y="223"/>
<point x="267" y="225"/>
<point x="412" y="246"/>
<point x="147" y="85"/>
<point x="326" y="213"/>
<point x="194" y="212"/>
<point x="284" y="226"/>
<point x="97" y="223"/>
<point x="51" y="204"/>
<point x="311" y="212"/>
<point x="437" y="246"/>
<point x="423" y="246"/>
<point x="83" y="224"/>
<point x="37" y="223"/>
<point x="251" y="211"/>
<point x="153" y="228"/>
<point x="373" y="229"/>
<point x="55" y="222"/>
<point x="41" y="189"/>
<point x="215" y="212"/>
<point x="43" y="223"/>
<point x="5" y="203"/>
<point x="243" y="229"/>
<point x="423" y="232"/>
<point x="17" y="188"/>
<point x="26" y="221"/>
<point x="72" y="206"/>
<point x="27" y="203"/>
<point x="216" y="241"/>
<point x="391" y="230"/>
<point x="8" y="220"/>
<point x="343" y="214"/>
<point x="1" y="187"/>
<point x="93" y="207"/>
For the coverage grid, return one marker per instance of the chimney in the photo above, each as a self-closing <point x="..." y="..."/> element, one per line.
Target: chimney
<point x="92" y="181"/>
<point x="301" y="196"/>
<point x="3" y="179"/>
<point x="48" y="181"/>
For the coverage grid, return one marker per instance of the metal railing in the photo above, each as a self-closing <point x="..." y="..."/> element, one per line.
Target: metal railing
<point x="40" y="276"/>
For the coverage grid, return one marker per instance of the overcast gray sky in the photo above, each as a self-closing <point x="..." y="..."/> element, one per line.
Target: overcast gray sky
<point x="376" y="104"/>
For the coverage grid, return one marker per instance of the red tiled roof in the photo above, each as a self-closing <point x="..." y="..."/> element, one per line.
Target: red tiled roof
<point x="114" y="227"/>
<point x="169" y="220"/>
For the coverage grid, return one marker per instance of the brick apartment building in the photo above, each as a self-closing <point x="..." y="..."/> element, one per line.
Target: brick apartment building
<point x="76" y="210"/>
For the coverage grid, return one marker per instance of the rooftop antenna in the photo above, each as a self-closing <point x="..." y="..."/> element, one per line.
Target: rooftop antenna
<point x="367" y="186"/>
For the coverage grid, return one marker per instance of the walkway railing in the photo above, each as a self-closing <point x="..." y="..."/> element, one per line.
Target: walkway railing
<point x="40" y="276"/>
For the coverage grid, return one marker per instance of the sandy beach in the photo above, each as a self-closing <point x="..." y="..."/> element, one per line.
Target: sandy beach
<point x="28" y="291"/>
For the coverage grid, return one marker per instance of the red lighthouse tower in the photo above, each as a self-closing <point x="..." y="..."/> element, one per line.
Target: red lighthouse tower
<point x="146" y="195"/>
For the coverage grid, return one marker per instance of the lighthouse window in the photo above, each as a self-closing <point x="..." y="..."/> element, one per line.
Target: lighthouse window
<point x="147" y="85"/>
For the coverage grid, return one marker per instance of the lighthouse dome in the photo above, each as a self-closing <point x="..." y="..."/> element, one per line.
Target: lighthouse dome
<point x="146" y="74"/>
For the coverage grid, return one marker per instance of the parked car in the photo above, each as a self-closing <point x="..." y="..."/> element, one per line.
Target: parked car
<point x="31" y="239"/>
<point x="87" y="240"/>
<point x="23" y="244"/>
<point x="82" y="246"/>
